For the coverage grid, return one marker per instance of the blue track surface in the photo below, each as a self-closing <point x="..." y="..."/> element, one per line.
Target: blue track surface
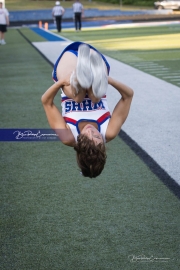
<point x="90" y="23"/>
<point x="46" y="35"/>
<point x="65" y="25"/>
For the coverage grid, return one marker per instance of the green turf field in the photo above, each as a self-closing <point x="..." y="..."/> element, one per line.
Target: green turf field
<point x="155" y="50"/>
<point x="52" y="217"/>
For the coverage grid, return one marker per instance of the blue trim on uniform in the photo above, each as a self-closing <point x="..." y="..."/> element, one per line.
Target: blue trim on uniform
<point x="73" y="47"/>
<point x="74" y="52"/>
<point x="87" y="120"/>
<point x="65" y="98"/>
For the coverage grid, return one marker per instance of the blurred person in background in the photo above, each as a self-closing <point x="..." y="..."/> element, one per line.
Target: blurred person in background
<point x="4" y="21"/>
<point x="57" y="13"/>
<point x="78" y="13"/>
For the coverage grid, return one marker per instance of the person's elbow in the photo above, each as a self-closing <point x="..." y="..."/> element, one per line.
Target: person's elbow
<point x="132" y="93"/>
<point x="110" y="138"/>
<point x="111" y="135"/>
<point x="44" y="100"/>
<point x="129" y="95"/>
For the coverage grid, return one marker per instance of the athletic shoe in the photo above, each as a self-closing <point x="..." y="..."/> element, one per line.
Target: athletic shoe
<point x="3" y="42"/>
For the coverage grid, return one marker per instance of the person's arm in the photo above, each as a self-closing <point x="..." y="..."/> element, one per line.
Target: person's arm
<point x="54" y="117"/>
<point x="7" y="20"/>
<point x="63" y="11"/>
<point x="53" y="13"/>
<point x="121" y="109"/>
<point x="7" y="17"/>
<point x="82" y="13"/>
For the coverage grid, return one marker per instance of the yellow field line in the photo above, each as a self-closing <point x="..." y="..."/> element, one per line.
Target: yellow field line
<point x="154" y="42"/>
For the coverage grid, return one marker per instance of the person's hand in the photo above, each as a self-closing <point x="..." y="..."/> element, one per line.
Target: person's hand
<point x="66" y="82"/>
<point x="91" y="96"/>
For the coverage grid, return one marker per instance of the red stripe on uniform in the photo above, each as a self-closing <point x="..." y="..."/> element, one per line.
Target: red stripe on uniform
<point x="70" y="120"/>
<point x="103" y="117"/>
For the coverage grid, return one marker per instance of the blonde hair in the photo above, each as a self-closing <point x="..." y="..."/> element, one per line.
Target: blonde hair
<point x="90" y="71"/>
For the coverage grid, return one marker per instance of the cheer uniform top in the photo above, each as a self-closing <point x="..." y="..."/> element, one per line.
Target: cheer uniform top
<point x="73" y="112"/>
<point x="73" y="47"/>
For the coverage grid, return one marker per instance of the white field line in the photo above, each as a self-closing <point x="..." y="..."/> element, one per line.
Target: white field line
<point x="155" y="69"/>
<point x="164" y="73"/>
<point x="153" y="66"/>
<point x="161" y="68"/>
<point x="146" y="24"/>
<point x="171" y="77"/>
<point x="147" y="63"/>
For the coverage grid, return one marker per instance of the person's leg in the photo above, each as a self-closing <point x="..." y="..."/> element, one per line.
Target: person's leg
<point x="3" y="30"/>
<point x="60" y="19"/>
<point x="57" y="23"/>
<point x="76" y="19"/>
<point x="1" y="33"/>
<point x="80" y="21"/>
